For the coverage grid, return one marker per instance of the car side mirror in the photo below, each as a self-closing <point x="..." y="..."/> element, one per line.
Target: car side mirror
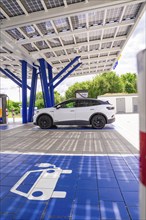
<point x="58" y="106"/>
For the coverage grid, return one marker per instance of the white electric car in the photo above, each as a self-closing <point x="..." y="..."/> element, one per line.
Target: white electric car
<point x="84" y="111"/>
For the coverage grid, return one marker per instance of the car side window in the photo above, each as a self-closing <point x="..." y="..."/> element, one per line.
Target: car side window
<point x="81" y="103"/>
<point x="69" y="104"/>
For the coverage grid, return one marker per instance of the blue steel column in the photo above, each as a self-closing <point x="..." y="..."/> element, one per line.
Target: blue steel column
<point x="50" y="74"/>
<point x="32" y="94"/>
<point x="43" y="78"/>
<point x="24" y="91"/>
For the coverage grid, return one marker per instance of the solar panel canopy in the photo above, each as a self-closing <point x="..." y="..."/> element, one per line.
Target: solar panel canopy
<point x="60" y="30"/>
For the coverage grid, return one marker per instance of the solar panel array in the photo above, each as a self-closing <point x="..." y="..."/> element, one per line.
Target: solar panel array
<point x="95" y="31"/>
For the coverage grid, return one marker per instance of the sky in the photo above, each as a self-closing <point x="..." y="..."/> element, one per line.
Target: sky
<point x="127" y="63"/>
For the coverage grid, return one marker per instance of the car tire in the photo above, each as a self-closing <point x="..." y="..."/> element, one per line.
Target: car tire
<point x="98" y="121"/>
<point x="45" y="121"/>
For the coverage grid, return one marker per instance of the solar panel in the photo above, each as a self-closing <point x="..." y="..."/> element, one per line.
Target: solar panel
<point x="108" y="33"/>
<point x="96" y="18"/>
<point x="78" y="21"/>
<point x="95" y="35"/>
<point x="131" y="11"/>
<point x="30" y="31"/>
<point x="106" y="45"/>
<point x="41" y="45"/>
<point x="74" y="1"/>
<point x="62" y="24"/>
<point x="46" y="28"/>
<point x="49" y="54"/>
<point x="29" y="47"/>
<point x="94" y="47"/>
<point x="67" y="40"/>
<point x="113" y="15"/>
<point x="123" y="31"/>
<point x="32" y="5"/>
<point x="81" y="38"/>
<point x="71" y="30"/>
<point x="11" y="7"/>
<point x="15" y="34"/>
<point x="118" y="43"/>
<point x="54" y="42"/>
<point x="53" y="3"/>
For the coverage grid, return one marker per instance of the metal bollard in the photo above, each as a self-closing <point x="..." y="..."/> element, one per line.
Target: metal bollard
<point x="7" y="116"/>
<point x="141" y="58"/>
<point x="13" y="115"/>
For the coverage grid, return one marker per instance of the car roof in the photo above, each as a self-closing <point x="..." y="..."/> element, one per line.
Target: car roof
<point x="83" y="99"/>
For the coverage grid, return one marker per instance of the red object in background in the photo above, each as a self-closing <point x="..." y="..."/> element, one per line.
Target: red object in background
<point x="143" y="157"/>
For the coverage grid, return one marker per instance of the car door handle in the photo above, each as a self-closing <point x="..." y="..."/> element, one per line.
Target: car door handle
<point x="71" y="110"/>
<point x="92" y="109"/>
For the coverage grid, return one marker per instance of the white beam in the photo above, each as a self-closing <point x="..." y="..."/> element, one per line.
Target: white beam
<point x="81" y="44"/>
<point x="38" y="17"/>
<point x="18" y="51"/>
<point x="91" y="60"/>
<point x="40" y="33"/>
<point x="70" y="56"/>
<point x="4" y="13"/>
<point x="79" y="31"/>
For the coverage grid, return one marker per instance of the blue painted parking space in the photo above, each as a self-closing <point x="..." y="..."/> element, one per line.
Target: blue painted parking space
<point x="69" y="187"/>
<point x="5" y="127"/>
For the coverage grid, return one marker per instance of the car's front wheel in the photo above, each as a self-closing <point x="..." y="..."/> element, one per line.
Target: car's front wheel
<point x="45" y="121"/>
<point x="98" y="121"/>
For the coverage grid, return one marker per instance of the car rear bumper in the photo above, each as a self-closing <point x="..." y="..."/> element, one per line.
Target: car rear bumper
<point x="109" y="121"/>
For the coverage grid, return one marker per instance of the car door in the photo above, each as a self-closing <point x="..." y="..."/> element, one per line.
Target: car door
<point x="84" y="110"/>
<point x="65" y="112"/>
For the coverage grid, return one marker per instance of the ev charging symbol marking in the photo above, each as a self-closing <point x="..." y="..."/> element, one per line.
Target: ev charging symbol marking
<point x="43" y="188"/>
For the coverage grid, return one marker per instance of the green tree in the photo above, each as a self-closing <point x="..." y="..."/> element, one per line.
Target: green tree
<point x="11" y="105"/>
<point x="70" y="93"/>
<point x="130" y="82"/>
<point x="113" y="81"/>
<point x="39" y="103"/>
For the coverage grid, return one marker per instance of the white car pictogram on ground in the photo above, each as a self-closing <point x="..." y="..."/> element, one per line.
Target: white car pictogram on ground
<point x="43" y="188"/>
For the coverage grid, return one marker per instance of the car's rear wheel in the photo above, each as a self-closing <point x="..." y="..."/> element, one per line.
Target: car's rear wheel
<point x="45" y="121"/>
<point x="98" y="121"/>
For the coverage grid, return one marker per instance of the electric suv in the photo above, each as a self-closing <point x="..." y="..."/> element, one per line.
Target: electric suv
<point x="82" y="111"/>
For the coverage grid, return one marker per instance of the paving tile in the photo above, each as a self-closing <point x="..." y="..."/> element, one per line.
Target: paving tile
<point x="134" y="212"/>
<point x="58" y="208"/>
<point x="87" y="184"/>
<point x="4" y="191"/>
<point x="82" y="212"/>
<point x="87" y="197"/>
<point x="129" y="185"/>
<point x="105" y="174"/>
<point x="131" y="198"/>
<point x="107" y="183"/>
<point x="113" y="211"/>
<point x="30" y="210"/>
<point x="124" y="175"/>
<point x="7" y="216"/>
<point x="9" y="181"/>
<point x="110" y="194"/>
